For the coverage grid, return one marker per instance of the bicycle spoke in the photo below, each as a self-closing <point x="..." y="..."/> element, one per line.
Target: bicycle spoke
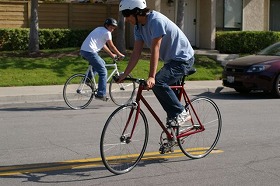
<point x="77" y="94"/>
<point x="201" y="143"/>
<point x="121" y="152"/>
<point x="122" y="93"/>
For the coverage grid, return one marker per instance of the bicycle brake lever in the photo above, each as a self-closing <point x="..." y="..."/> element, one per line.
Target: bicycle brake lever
<point x="118" y="58"/>
<point x="121" y="58"/>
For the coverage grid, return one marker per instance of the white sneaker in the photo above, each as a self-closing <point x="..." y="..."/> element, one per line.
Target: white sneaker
<point x="179" y="120"/>
<point x="183" y="117"/>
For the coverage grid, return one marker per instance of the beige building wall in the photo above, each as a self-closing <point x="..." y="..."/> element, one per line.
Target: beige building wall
<point x="207" y="24"/>
<point x="163" y="7"/>
<point x="206" y="19"/>
<point x="255" y="15"/>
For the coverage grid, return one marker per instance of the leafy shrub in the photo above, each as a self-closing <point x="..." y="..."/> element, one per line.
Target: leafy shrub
<point x="226" y="41"/>
<point x="245" y="41"/>
<point x="18" y="39"/>
<point x="14" y="39"/>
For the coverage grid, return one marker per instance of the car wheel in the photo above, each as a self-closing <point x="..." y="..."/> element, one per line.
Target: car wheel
<point x="242" y="90"/>
<point x="276" y="87"/>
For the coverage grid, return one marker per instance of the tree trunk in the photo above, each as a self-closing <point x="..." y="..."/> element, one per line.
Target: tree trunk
<point x="180" y="14"/>
<point x="34" y="29"/>
<point x="121" y="34"/>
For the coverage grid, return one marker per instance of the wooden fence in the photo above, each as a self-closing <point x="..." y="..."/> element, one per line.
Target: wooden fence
<point x="56" y="15"/>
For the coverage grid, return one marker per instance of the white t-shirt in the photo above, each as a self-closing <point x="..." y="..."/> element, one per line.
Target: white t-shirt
<point x="96" y="40"/>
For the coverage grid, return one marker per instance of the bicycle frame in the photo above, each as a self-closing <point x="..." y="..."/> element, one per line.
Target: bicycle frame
<point x="122" y="150"/>
<point x="169" y="135"/>
<point x="115" y="71"/>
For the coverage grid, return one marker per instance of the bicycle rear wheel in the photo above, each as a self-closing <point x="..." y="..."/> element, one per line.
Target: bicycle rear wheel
<point x="121" y="146"/>
<point x="76" y="93"/>
<point x="199" y="145"/>
<point x="122" y="93"/>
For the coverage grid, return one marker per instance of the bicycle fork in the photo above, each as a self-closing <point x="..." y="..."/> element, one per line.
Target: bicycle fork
<point x="125" y="137"/>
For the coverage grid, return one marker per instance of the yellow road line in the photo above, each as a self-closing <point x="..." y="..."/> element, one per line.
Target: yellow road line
<point x="83" y="163"/>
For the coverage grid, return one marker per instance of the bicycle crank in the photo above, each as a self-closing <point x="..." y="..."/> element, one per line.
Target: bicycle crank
<point x="166" y="145"/>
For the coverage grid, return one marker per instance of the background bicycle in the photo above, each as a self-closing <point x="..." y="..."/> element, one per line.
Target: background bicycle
<point x="125" y="135"/>
<point x="79" y="90"/>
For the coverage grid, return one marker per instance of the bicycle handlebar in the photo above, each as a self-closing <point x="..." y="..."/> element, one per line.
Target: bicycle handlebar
<point x="136" y="80"/>
<point x="118" y="58"/>
<point x="144" y="82"/>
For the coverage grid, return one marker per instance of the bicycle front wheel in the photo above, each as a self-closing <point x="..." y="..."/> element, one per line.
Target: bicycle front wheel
<point x="122" y="144"/>
<point x="122" y="93"/>
<point x="200" y="144"/>
<point x="76" y="93"/>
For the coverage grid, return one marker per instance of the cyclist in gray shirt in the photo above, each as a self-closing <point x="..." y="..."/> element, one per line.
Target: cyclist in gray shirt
<point x="166" y="42"/>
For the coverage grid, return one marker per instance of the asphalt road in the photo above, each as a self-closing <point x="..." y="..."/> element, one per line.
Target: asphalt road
<point x="48" y="144"/>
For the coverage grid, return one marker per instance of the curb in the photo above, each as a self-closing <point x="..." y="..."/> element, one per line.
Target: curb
<point x="32" y="94"/>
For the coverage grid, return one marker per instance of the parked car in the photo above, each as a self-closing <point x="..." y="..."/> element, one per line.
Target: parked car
<point x="255" y="72"/>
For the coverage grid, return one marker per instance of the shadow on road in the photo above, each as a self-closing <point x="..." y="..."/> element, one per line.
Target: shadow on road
<point x="78" y="171"/>
<point x="233" y="95"/>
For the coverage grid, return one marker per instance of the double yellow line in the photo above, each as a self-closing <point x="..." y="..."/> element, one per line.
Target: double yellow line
<point x="80" y="163"/>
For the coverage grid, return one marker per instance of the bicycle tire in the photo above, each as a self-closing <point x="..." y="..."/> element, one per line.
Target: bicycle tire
<point x="199" y="145"/>
<point x="122" y="93"/>
<point x="76" y="93"/>
<point x="120" y="153"/>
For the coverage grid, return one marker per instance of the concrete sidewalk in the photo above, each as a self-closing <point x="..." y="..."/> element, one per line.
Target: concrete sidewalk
<point x="28" y="94"/>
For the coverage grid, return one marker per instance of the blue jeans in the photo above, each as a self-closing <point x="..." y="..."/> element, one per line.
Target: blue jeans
<point x="169" y="74"/>
<point x="98" y="65"/>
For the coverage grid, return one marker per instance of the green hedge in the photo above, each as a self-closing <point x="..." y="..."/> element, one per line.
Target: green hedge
<point x="226" y="41"/>
<point x="18" y="39"/>
<point x="244" y="41"/>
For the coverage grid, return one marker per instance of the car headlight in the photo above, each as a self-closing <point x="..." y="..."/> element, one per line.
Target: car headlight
<point x="257" y="68"/>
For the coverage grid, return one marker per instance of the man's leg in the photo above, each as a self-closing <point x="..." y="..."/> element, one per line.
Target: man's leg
<point x="169" y="74"/>
<point x="99" y="66"/>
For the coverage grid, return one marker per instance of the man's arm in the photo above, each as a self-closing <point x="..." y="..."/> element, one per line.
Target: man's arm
<point x="114" y="48"/>
<point x="154" y="61"/>
<point x="138" y="46"/>
<point x="108" y="51"/>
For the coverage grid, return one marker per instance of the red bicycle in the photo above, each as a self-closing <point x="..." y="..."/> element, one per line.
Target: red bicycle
<point x="125" y="135"/>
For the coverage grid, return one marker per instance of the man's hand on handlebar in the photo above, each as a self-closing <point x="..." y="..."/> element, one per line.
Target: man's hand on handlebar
<point x="118" y="58"/>
<point x="150" y="82"/>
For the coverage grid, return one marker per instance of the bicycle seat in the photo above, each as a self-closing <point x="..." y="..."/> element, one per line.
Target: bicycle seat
<point x="191" y="71"/>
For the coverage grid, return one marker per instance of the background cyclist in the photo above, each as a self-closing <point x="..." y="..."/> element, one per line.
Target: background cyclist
<point x="94" y="42"/>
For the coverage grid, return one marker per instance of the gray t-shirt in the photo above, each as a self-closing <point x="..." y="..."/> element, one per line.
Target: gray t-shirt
<point x="174" y="46"/>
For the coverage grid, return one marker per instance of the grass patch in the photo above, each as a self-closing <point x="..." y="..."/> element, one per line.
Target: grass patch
<point x="53" y="67"/>
<point x="207" y="69"/>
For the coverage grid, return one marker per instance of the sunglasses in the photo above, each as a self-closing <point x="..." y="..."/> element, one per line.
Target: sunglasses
<point x="126" y="13"/>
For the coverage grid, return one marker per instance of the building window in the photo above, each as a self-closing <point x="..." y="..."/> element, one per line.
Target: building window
<point x="274" y="22"/>
<point x="229" y="14"/>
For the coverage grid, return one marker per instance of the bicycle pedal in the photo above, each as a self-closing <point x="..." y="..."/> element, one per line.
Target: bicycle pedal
<point x="102" y="98"/>
<point x="166" y="148"/>
<point x="171" y="149"/>
<point x="81" y="92"/>
<point x="161" y="150"/>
